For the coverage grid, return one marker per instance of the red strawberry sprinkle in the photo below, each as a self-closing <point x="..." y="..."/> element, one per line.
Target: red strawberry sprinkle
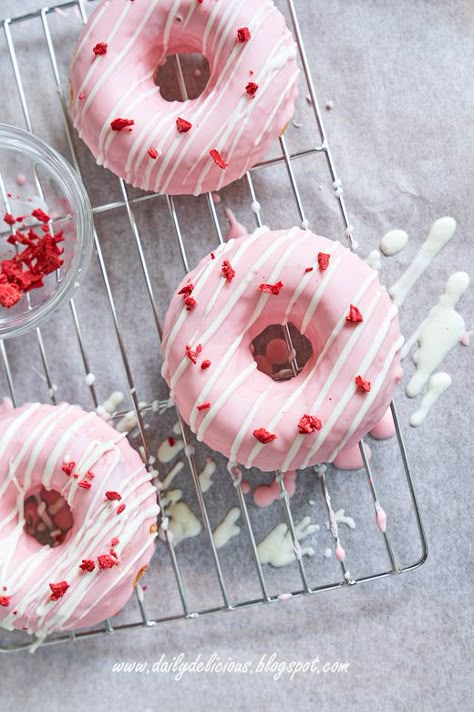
<point x="182" y="125"/>
<point x="40" y="215"/>
<point x="119" y="124"/>
<point x="100" y="48"/>
<point x="9" y="219"/>
<point x="362" y="384"/>
<point x="217" y="158"/>
<point x="153" y="153"/>
<point x="264" y="436"/>
<point x="271" y="288"/>
<point x="187" y="289"/>
<point x="323" y="260"/>
<point x="87" y="565"/>
<point x="4" y="601"/>
<point x="68" y="468"/>
<point x="228" y="271"/>
<point x="205" y="364"/>
<point x="203" y="406"/>
<point x="354" y="315"/>
<point x="121" y="508"/>
<point x="84" y="484"/>
<point x="243" y="34"/>
<point x="251" y="88"/>
<point x="111" y="496"/>
<point x="58" y="589"/>
<point x="308" y="424"/>
<point x="106" y="561"/>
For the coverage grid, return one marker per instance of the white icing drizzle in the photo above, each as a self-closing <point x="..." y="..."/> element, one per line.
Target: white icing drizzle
<point x="183" y="523"/>
<point x="227" y="529"/>
<point x="393" y="242"/>
<point x="277" y="548"/>
<point x="373" y="259"/>
<point x="112" y="403"/>
<point x="442" y="329"/>
<point x="205" y="476"/>
<point x="341" y="518"/>
<point x="437" y="385"/>
<point x="439" y="235"/>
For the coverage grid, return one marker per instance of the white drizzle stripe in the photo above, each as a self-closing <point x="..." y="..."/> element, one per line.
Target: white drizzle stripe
<point x="113" y="66"/>
<point x="234" y="451"/>
<point x="375" y="387"/>
<point x="89" y="29"/>
<point x="308" y="276"/>
<point x="339" y="327"/>
<point x="52" y="461"/>
<point x="262" y="300"/>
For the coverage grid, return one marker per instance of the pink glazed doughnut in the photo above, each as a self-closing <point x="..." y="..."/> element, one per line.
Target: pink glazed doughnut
<point x="110" y="516"/>
<point x="196" y="145"/>
<point x="333" y="298"/>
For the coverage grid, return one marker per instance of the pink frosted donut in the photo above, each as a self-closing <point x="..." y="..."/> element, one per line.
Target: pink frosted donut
<point x="333" y="298"/>
<point x="197" y="145"/>
<point x="62" y="466"/>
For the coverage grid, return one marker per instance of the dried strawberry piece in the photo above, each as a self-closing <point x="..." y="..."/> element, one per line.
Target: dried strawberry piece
<point x="192" y="354"/>
<point x="205" y="364"/>
<point x="121" y="508"/>
<point x="58" y="589"/>
<point x="217" y="158"/>
<point x="362" y="384"/>
<point x="309" y="269"/>
<point x="203" y="406"/>
<point x="106" y="561"/>
<point x="4" y="601"/>
<point x="114" y="541"/>
<point x="119" y="124"/>
<point x="187" y="289"/>
<point x="271" y="288"/>
<point x="264" y="436"/>
<point x="251" y="88"/>
<point x="354" y="315"/>
<point x="243" y="34"/>
<point x="9" y="219"/>
<point x="68" y="468"/>
<point x="171" y="441"/>
<point x="182" y="125"/>
<point x="111" y="496"/>
<point x="153" y="153"/>
<point x="87" y="565"/>
<point x="40" y="215"/>
<point x="227" y="271"/>
<point x="84" y="484"/>
<point x="100" y="48"/>
<point x="190" y="303"/>
<point x="10" y="294"/>
<point x="323" y="260"/>
<point x="308" y="424"/>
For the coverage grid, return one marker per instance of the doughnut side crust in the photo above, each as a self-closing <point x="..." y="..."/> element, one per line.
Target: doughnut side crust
<point x="35" y="442"/>
<point x="224" y="118"/>
<point x="228" y="315"/>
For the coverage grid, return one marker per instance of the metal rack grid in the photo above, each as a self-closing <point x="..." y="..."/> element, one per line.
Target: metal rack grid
<point x="286" y="160"/>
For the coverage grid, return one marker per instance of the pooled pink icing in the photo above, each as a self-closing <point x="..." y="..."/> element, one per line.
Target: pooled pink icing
<point x="229" y="314"/>
<point x="120" y="84"/>
<point x="236" y="229"/>
<point x="264" y="495"/>
<point x="349" y="458"/>
<point x="35" y="442"/>
<point x="385" y="428"/>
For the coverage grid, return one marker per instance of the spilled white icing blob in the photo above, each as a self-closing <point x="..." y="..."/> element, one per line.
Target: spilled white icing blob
<point x="373" y="259"/>
<point x="112" y="403"/>
<point x="89" y="379"/>
<point x="177" y="429"/>
<point x="182" y="521"/>
<point x="205" y="477"/>
<point x="327" y="553"/>
<point x="442" y="329"/>
<point x="227" y="528"/>
<point x="437" y="385"/>
<point x="168" y="450"/>
<point x="341" y="518"/>
<point x="127" y="423"/>
<point x="277" y="547"/>
<point x="393" y="242"/>
<point x="441" y="232"/>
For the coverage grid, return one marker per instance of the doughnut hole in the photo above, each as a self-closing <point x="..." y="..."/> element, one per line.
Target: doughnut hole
<point x="273" y="357"/>
<point x="196" y="73"/>
<point x="48" y="517"/>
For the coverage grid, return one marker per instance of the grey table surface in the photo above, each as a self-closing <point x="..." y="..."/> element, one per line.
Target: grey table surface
<point x="399" y="75"/>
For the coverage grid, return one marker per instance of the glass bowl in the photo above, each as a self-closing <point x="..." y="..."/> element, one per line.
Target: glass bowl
<point x="35" y="176"/>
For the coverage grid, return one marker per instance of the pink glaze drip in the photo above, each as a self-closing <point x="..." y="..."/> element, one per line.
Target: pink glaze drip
<point x="349" y="458"/>
<point x="120" y="84"/>
<point x="385" y="428"/>
<point x="380" y="518"/>
<point x="246" y="487"/>
<point x="230" y="314"/>
<point x="340" y="554"/>
<point x="35" y="442"/>
<point x="236" y="229"/>
<point x="265" y="495"/>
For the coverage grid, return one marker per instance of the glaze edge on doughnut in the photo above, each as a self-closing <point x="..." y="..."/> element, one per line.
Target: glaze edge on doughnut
<point x="36" y="442"/>
<point x="238" y="125"/>
<point x="228" y="315"/>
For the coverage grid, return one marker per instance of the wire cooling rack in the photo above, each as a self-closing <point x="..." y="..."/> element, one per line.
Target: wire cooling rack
<point x="236" y="579"/>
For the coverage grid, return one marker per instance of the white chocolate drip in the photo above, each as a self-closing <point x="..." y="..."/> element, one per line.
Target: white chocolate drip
<point x="437" y="385"/>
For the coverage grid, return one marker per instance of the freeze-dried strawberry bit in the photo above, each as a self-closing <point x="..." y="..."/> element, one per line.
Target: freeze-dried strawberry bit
<point x="362" y="384"/>
<point x="271" y="288"/>
<point x="100" y="48"/>
<point x="84" y="484"/>
<point x="106" y="561"/>
<point x="205" y="364"/>
<point x="217" y="158"/>
<point x="228" y="271"/>
<point x="111" y="496"/>
<point x="171" y="441"/>
<point x="203" y="406"/>
<point x="120" y="508"/>
<point x="9" y="219"/>
<point x="251" y="88"/>
<point x="81" y="96"/>
<point x="119" y="124"/>
<point x="40" y="215"/>
<point x="186" y="290"/>
<point x="114" y="541"/>
<point x="264" y="436"/>
<point x="182" y="125"/>
<point x="58" y="589"/>
<point x="68" y="468"/>
<point x="213" y="257"/>
<point x="190" y="303"/>
<point x="153" y="153"/>
<point x="4" y="601"/>
<point x="309" y="269"/>
<point x="10" y="295"/>
<point x="87" y="565"/>
<point x="243" y="35"/>
<point x="192" y="354"/>
<point x="323" y="260"/>
<point x="308" y="424"/>
<point x="354" y="315"/>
